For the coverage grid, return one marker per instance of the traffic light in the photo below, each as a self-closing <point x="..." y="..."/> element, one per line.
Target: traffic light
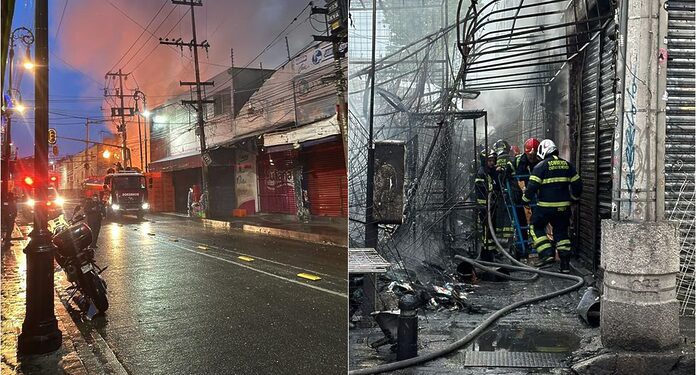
<point x="52" y="136"/>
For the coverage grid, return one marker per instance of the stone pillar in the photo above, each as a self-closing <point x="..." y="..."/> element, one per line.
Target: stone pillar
<point x="639" y="309"/>
<point x="640" y="250"/>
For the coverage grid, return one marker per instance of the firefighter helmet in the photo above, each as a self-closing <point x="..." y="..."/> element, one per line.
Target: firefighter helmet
<point x="501" y="147"/>
<point x="546" y="148"/>
<point x="530" y="146"/>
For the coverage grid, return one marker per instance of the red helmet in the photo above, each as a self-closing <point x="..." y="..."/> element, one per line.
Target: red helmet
<point x="530" y="146"/>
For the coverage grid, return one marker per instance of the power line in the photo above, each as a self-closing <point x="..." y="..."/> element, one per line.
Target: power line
<point x="65" y="6"/>
<point x="141" y="35"/>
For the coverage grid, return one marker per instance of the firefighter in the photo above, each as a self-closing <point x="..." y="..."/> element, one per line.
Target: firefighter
<point x="486" y="182"/>
<point x="518" y="171"/>
<point x="504" y="229"/>
<point x="556" y="184"/>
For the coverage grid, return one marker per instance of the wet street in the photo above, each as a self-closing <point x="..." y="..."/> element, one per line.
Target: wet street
<point x="182" y="301"/>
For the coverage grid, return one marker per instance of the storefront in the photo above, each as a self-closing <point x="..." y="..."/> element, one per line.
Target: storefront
<point x="327" y="183"/>
<point x="276" y="185"/>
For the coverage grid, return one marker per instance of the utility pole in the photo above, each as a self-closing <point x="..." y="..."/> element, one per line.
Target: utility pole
<point x="121" y="112"/>
<point x="294" y="90"/>
<point x="336" y="15"/>
<point x="198" y="104"/>
<point x="137" y="95"/>
<point x="40" y="333"/>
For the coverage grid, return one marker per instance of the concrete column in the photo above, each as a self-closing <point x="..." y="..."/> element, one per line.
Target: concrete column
<point x="639" y="308"/>
<point x="637" y="170"/>
<point x="640" y="251"/>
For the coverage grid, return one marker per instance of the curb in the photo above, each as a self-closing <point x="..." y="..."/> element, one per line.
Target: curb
<point x="321" y="239"/>
<point x="307" y="237"/>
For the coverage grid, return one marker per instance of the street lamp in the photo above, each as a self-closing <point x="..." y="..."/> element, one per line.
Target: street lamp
<point x="26" y="37"/>
<point x="106" y="154"/>
<point x="40" y="333"/>
<point x="28" y="65"/>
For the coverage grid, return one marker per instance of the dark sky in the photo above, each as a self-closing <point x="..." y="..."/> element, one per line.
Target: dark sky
<point x="94" y="35"/>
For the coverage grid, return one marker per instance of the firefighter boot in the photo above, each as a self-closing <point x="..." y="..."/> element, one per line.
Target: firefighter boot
<point x="546" y="258"/>
<point x="565" y="261"/>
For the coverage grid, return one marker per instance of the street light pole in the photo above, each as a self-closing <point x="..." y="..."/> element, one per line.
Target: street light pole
<point x="40" y="333"/>
<point x="27" y="39"/>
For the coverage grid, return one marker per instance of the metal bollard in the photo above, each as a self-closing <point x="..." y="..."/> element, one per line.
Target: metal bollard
<point x="407" y="339"/>
<point x="588" y="308"/>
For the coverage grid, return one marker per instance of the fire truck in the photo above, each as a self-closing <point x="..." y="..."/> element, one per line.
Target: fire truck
<point x="126" y="193"/>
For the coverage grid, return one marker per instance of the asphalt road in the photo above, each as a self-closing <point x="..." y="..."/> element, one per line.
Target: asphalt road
<point x="183" y="302"/>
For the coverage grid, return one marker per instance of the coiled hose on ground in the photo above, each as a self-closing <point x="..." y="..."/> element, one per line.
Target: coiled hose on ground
<point x="579" y="281"/>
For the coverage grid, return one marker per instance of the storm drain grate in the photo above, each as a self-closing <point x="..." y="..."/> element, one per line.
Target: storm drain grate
<point x="513" y="359"/>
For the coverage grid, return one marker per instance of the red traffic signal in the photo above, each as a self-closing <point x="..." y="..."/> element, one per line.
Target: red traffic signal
<point x="54" y="178"/>
<point x="29" y="181"/>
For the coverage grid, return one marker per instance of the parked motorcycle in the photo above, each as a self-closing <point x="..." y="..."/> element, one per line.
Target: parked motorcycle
<point x="74" y="255"/>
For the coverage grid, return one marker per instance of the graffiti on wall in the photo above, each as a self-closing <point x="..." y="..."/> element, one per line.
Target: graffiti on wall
<point x="245" y="180"/>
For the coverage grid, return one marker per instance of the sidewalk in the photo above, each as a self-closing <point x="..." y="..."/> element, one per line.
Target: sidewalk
<point x="63" y="361"/>
<point x="320" y="230"/>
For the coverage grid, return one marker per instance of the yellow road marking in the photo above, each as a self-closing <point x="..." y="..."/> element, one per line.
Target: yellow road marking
<point x="248" y="259"/>
<point x="308" y="276"/>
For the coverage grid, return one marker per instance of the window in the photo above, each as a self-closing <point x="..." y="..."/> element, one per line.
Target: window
<point x="129" y="182"/>
<point x="223" y="102"/>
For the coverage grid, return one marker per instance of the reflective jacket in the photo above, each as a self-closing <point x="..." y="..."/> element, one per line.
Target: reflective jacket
<point x="556" y="181"/>
<point x="486" y="181"/>
<point x="518" y="171"/>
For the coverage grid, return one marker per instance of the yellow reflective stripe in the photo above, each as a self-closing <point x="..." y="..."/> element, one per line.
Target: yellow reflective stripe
<point x="575" y="178"/>
<point x="543" y="247"/>
<point x="563" y="242"/>
<point x="563" y="249"/>
<point x="538" y="240"/>
<point x="553" y="204"/>
<point x="524" y="198"/>
<point x="478" y="180"/>
<point x="574" y="197"/>
<point x="535" y="179"/>
<point x="553" y="180"/>
<point x="482" y="201"/>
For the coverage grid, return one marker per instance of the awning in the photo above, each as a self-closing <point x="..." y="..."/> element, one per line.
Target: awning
<point x="177" y="162"/>
<point x="316" y="130"/>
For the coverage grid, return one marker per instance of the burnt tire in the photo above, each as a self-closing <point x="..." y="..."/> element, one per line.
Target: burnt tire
<point x="95" y="289"/>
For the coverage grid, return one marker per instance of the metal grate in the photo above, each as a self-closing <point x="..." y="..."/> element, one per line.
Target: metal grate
<point x="680" y="199"/>
<point x="514" y="359"/>
<point x="363" y="260"/>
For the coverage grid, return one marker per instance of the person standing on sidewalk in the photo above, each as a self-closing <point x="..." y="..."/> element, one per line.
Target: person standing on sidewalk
<point x="189" y="202"/>
<point x="94" y="211"/>
<point x="558" y="185"/>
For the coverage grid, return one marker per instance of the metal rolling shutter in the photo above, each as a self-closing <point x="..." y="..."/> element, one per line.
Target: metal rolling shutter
<point x="679" y="143"/>
<point x="596" y="139"/>
<point x="276" y="184"/>
<point x="327" y="183"/>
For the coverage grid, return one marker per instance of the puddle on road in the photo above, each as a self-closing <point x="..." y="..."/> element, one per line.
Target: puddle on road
<point x="525" y="339"/>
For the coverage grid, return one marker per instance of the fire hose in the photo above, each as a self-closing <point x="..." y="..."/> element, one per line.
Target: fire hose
<point x="579" y="281"/>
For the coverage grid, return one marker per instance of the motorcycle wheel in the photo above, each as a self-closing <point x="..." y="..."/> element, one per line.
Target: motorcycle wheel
<point x="95" y="289"/>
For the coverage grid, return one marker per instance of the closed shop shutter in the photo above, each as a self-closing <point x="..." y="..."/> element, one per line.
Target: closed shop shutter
<point x="679" y="143"/>
<point x="276" y="184"/>
<point x="596" y="140"/>
<point x="327" y="184"/>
